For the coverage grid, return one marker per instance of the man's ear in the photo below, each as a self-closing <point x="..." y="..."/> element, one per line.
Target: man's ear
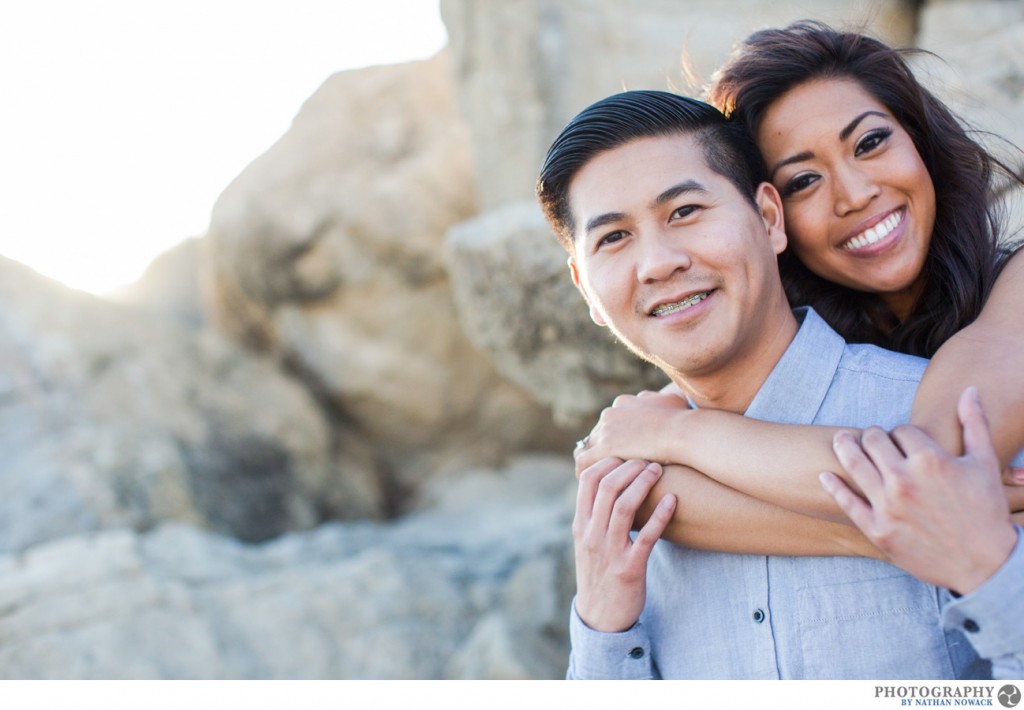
<point x="769" y="205"/>
<point x="595" y="315"/>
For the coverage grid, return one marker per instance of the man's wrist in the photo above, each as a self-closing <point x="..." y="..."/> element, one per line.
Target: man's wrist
<point x="614" y="624"/>
<point x="989" y="559"/>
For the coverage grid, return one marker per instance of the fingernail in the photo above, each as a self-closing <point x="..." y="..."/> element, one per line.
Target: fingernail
<point x="972" y="392"/>
<point x="655" y="467"/>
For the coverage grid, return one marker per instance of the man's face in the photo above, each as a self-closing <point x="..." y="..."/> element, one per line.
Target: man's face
<point x="673" y="259"/>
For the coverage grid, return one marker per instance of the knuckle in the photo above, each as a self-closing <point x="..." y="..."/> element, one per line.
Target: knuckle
<point x="623" y="510"/>
<point x="904" y="430"/>
<point x="608" y="485"/>
<point x="883" y="539"/>
<point x="589" y="477"/>
<point x="902" y="489"/>
<point x="873" y="434"/>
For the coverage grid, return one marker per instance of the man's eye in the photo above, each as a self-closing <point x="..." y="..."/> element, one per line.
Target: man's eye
<point x="684" y="211"/>
<point x="872" y="140"/>
<point x="610" y="239"/>
<point x="798" y="183"/>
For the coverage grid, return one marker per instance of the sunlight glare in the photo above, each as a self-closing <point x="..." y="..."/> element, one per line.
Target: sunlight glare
<point x="124" y="121"/>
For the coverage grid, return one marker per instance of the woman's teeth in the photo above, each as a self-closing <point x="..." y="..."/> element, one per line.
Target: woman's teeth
<point x="667" y="308"/>
<point x="874" y="234"/>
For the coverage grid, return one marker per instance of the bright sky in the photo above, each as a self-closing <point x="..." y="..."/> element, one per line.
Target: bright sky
<point x="122" y="120"/>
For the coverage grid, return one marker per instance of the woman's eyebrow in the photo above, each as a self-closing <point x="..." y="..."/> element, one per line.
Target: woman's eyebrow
<point x="799" y="157"/>
<point x="845" y="133"/>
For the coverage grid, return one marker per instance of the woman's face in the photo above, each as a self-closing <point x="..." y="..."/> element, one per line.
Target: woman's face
<point x="858" y="200"/>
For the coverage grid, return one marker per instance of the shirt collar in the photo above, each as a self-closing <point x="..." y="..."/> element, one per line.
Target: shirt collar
<point x="796" y="387"/>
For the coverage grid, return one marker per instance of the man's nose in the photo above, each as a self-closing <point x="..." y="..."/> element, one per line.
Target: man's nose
<point x="661" y="255"/>
<point x="853" y="189"/>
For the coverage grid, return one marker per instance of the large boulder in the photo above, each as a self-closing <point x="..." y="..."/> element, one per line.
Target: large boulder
<point x="327" y="254"/>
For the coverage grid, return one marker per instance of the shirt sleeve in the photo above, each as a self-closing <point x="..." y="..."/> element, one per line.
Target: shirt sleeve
<point x="990" y="616"/>
<point x="597" y="655"/>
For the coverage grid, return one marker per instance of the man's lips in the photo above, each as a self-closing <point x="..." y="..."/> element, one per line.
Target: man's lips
<point x="664" y="308"/>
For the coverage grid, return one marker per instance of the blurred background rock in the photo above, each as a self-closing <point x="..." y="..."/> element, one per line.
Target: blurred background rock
<point x="331" y="438"/>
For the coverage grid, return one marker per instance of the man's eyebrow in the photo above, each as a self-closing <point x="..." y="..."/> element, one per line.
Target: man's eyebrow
<point x="603" y="219"/>
<point x="807" y="155"/>
<point x="677" y="190"/>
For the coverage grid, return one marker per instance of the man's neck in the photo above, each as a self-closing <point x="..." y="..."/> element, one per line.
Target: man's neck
<point x="733" y="385"/>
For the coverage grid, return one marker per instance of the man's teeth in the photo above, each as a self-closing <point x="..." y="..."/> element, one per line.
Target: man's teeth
<point x="872" y="235"/>
<point x="665" y="309"/>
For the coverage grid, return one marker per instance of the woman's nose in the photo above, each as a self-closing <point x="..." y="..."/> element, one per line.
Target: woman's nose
<point x="853" y="189"/>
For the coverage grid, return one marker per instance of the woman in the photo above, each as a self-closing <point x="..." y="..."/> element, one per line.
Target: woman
<point x="893" y="240"/>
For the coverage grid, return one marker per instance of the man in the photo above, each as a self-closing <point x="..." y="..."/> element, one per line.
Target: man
<point x="673" y="237"/>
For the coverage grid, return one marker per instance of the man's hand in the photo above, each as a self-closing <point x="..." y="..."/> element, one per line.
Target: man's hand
<point x="611" y="569"/>
<point x="635" y="426"/>
<point x="941" y="518"/>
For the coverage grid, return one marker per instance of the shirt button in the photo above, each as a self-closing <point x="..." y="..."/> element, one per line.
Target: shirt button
<point x="758" y="615"/>
<point x="636" y="653"/>
<point x="971" y="626"/>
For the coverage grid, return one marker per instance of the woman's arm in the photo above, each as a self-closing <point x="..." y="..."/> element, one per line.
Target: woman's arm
<point x="711" y="516"/>
<point x="776" y="463"/>
<point x="988" y="354"/>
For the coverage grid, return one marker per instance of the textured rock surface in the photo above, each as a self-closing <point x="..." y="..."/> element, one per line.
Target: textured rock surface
<point x="980" y="71"/>
<point x="469" y="591"/>
<point x="109" y="417"/>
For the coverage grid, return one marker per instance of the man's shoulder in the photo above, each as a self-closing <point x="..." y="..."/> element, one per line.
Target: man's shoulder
<point x="873" y="361"/>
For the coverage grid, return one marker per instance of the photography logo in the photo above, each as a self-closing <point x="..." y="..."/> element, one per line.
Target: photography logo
<point x="1009" y="696"/>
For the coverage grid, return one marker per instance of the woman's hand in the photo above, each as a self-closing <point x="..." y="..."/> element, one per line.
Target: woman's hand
<point x="634" y="427"/>
<point x="941" y="518"/>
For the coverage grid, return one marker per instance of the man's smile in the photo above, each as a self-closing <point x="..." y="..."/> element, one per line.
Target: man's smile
<point x="665" y="309"/>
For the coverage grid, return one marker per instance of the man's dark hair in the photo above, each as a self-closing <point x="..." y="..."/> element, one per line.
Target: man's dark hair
<point x="612" y="122"/>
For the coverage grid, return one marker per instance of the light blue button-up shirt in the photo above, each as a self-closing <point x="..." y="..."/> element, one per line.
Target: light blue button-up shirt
<point x="724" y="616"/>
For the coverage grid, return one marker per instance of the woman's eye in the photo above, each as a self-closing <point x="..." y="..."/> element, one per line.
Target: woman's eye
<point x="798" y="183"/>
<point x="684" y="211"/>
<point x="872" y="140"/>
